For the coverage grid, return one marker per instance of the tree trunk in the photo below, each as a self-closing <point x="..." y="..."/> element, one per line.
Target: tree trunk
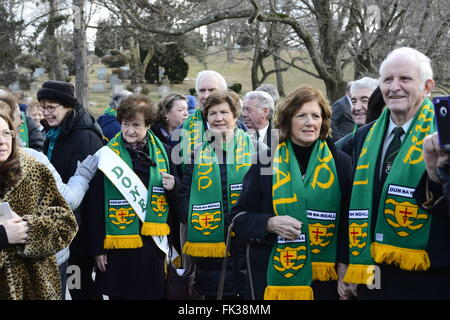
<point x="256" y="58"/>
<point x="279" y="73"/>
<point x="137" y="75"/>
<point x="80" y="53"/>
<point x="53" y="52"/>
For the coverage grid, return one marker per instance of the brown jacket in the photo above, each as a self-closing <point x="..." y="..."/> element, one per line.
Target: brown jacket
<point x="30" y="271"/>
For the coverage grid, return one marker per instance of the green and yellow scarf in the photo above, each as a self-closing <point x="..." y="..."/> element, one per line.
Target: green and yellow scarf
<point x="402" y="228"/>
<point x="23" y="130"/>
<point x="122" y="223"/>
<point x="315" y="201"/>
<point x="192" y="134"/>
<point x="110" y="111"/>
<point x="206" y="230"/>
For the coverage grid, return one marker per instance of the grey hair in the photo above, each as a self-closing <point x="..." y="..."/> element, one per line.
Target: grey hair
<point x="366" y="82"/>
<point x="218" y="76"/>
<point x="118" y="97"/>
<point x="422" y="61"/>
<point x="270" y="89"/>
<point x="264" y="100"/>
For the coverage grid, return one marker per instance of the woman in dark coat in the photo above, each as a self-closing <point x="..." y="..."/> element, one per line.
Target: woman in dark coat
<point x="130" y="265"/>
<point x="171" y="113"/>
<point x="208" y="192"/>
<point x="72" y="135"/>
<point x="304" y="121"/>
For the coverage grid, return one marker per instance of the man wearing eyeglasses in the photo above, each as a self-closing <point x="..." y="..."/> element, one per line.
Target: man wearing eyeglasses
<point x="72" y="135"/>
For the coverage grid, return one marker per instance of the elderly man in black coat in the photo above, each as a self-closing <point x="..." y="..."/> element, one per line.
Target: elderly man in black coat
<point x="405" y="81"/>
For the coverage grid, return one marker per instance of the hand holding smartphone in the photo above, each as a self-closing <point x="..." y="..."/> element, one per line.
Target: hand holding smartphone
<point x="442" y="116"/>
<point x="5" y="212"/>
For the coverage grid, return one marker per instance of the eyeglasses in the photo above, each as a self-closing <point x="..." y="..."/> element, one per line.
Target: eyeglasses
<point x="48" y="107"/>
<point x="8" y="134"/>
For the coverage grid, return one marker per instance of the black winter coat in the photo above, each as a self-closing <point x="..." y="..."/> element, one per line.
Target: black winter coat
<point x="401" y="284"/>
<point x="208" y="269"/>
<point x="80" y="136"/>
<point x="35" y="136"/>
<point x="131" y="273"/>
<point x="256" y="200"/>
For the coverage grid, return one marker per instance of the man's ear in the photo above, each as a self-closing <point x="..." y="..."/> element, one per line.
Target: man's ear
<point x="429" y="86"/>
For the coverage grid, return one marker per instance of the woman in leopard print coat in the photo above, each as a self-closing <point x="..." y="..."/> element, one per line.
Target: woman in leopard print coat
<point x="29" y="270"/>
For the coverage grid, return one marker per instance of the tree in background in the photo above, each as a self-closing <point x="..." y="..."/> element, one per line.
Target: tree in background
<point x="170" y="59"/>
<point x="10" y="45"/>
<point x="335" y="35"/>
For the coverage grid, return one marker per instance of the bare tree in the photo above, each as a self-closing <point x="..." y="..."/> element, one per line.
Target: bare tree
<point x="335" y="34"/>
<point x="80" y="53"/>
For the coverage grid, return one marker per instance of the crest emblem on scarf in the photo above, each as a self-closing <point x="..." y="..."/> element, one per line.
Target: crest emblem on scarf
<point x="159" y="204"/>
<point x="289" y="259"/>
<point x="320" y="236"/>
<point x="404" y="217"/>
<point x="122" y="217"/>
<point x="206" y="222"/>
<point x="358" y="237"/>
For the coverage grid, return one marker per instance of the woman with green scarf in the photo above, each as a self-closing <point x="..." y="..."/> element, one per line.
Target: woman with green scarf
<point x="296" y="207"/>
<point x="211" y="186"/>
<point x="124" y="234"/>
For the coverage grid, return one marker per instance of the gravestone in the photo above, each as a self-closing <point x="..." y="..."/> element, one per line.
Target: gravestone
<point x="115" y="79"/>
<point x="138" y="90"/>
<point x="99" y="87"/>
<point x="116" y="88"/>
<point x="163" y="91"/>
<point x="101" y="73"/>
<point x="14" y="87"/>
<point x="125" y="71"/>
<point x="38" y="72"/>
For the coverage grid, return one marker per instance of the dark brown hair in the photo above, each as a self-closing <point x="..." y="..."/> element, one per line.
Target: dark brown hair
<point x="230" y="97"/>
<point x="134" y="104"/>
<point x="293" y="102"/>
<point x="10" y="169"/>
<point x="165" y="105"/>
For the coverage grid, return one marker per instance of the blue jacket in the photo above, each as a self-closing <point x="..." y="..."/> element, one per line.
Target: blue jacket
<point x="110" y="126"/>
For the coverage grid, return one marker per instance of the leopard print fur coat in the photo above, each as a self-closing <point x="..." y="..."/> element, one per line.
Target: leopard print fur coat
<point x="30" y="271"/>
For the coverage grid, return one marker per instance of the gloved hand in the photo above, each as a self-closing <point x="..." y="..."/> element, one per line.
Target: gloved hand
<point x="87" y="168"/>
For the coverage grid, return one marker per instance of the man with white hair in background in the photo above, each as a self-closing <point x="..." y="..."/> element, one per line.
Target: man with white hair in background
<point x="257" y="111"/>
<point x="396" y="249"/>
<point x="360" y="92"/>
<point x="341" y="117"/>
<point x="192" y="132"/>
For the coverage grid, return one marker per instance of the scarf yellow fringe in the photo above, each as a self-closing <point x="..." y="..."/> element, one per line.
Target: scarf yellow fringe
<point x="122" y="242"/>
<point x="288" y="293"/>
<point x="406" y="259"/>
<point x="324" y="271"/>
<point x="206" y="250"/>
<point x="358" y="273"/>
<point x="155" y="229"/>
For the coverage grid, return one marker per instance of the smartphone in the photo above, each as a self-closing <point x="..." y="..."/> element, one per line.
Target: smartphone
<point x="442" y="115"/>
<point x="5" y="212"/>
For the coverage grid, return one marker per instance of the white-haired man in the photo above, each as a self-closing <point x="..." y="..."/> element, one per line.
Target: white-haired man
<point x="208" y="82"/>
<point x="341" y="117"/>
<point x="257" y="110"/>
<point x="360" y="92"/>
<point x="392" y="241"/>
<point x="192" y="132"/>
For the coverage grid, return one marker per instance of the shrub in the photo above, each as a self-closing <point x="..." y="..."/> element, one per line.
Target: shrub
<point x="115" y="61"/>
